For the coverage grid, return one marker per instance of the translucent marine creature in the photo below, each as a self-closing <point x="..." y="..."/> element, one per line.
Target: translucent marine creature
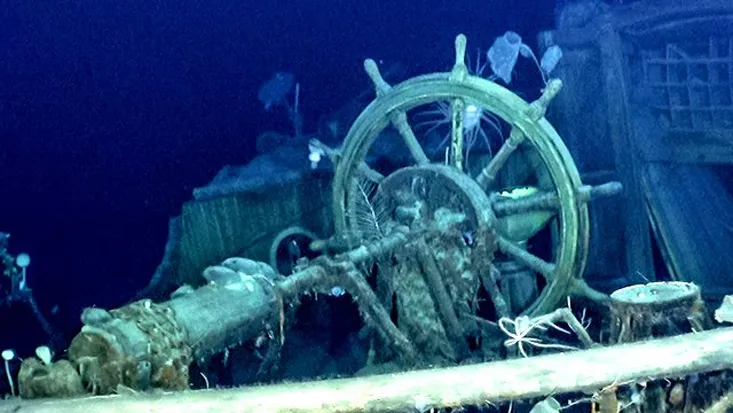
<point x="503" y="55"/>
<point x="275" y="90"/>
<point x="9" y="355"/>
<point x="315" y="154"/>
<point x="506" y="49"/>
<point x="474" y="119"/>
<point x="23" y="260"/>
<point x="519" y="329"/>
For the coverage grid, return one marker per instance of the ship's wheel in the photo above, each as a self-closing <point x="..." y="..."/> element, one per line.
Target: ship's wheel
<point x="558" y="198"/>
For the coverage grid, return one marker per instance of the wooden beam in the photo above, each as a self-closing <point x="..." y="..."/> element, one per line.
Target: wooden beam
<point x="637" y="227"/>
<point x="695" y="152"/>
<point x="588" y="370"/>
<point x="644" y="17"/>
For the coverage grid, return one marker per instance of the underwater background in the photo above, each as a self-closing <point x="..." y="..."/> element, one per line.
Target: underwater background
<point x="111" y="113"/>
<point x="147" y="148"/>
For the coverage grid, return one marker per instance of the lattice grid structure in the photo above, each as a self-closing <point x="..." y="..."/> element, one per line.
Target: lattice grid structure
<point x="691" y="84"/>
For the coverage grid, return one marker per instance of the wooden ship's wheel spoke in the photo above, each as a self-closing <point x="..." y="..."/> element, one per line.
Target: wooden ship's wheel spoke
<point x="549" y="200"/>
<point x="537" y="264"/>
<point x="486" y="177"/>
<point x="397" y="118"/>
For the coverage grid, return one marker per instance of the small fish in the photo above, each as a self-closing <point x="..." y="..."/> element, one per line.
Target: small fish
<point x="220" y="275"/>
<point x="273" y="92"/>
<point x="95" y="317"/>
<point x="249" y="267"/>
<point x="468" y="238"/>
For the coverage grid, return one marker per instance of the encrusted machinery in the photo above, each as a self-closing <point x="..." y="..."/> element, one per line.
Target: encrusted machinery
<point x="445" y="197"/>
